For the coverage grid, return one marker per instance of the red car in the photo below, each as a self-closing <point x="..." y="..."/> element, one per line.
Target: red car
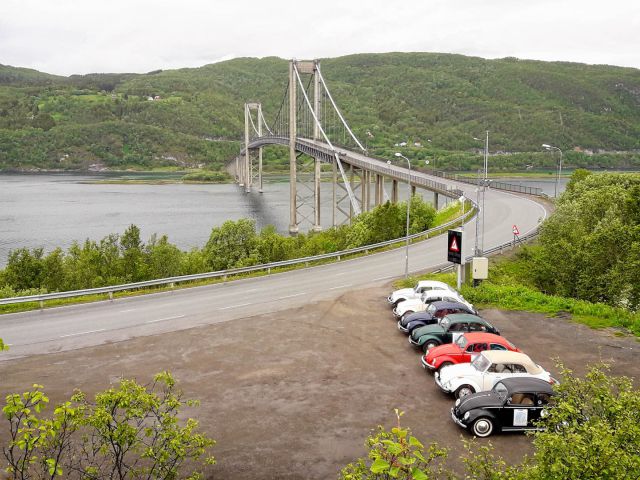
<point x="463" y="348"/>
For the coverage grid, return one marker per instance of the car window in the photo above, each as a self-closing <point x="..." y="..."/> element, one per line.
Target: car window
<point x="479" y="347"/>
<point x="517" y="368"/>
<point x="544" y="399"/>
<point x="500" y="389"/>
<point x="522" y="399"/>
<point x="497" y="346"/>
<point x="461" y="341"/>
<point x="431" y="308"/>
<point x="480" y="363"/>
<point x="501" y="368"/>
<point x="444" y="322"/>
<point x="477" y="327"/>
<point x="457" y="327"/>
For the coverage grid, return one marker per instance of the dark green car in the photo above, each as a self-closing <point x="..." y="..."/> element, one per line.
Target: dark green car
<point x="431" y="336"/>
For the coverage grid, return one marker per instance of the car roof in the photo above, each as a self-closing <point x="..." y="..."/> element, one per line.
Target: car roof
<point x="434" y="283"/>
<point x="500" y="356"/>
<point x="473" y="337"/>
<point x="463" y="317"/>
<point x="527" y="384"/>
<point x="445" y="304"/>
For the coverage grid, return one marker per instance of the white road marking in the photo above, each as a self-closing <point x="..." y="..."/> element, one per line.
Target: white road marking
<point x="291" y="296"/>
<point x="234" y="306"/>
<point x="338" y="274"/>
<point x="165" y="319"/>
<point x="82" y="333"/>
<point x="382" y="278"/>
<point x="341" y="286"/>
<point x="125" y="311"/>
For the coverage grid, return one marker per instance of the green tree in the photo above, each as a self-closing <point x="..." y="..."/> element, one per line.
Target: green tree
<point x="232" y="245"/>
<point x="130" y="431"/>
<point x="133" y="261"/>
<point x="396" y="454"/>
<point x="24" y="268"/>
<point x="163" y="258"/>
<point x="592" y="431"/>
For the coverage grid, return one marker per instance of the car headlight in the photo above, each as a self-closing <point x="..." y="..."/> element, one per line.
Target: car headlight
<point x="457" y="402"/>
<point x="466" y="416"/>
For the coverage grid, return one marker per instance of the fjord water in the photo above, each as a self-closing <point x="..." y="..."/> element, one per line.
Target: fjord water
<point x="52" y="211"/>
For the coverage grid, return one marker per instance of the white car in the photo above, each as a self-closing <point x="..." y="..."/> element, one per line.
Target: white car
<point x="421" y="304"/>
<point x="485" y="370"/>
<point x="416" y="292"/>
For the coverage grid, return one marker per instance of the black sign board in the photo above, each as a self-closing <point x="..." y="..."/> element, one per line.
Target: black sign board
<point x="454" y="246"/>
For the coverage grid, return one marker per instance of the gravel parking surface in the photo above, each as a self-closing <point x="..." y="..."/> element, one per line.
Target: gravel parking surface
<point x="293" y="395"/>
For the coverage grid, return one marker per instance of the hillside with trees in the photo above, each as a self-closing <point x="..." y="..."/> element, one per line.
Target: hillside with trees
<point x="193" y="117"/>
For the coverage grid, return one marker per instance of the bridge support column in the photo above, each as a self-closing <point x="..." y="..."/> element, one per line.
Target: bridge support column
<point x="413" y="190"/>
<point x="378" y="194"/>
<point x="366" y="190"/>
<point x="334" y="200"/>
<point x="394" y="191"/>
<point x="435" y="200"/>
<point x="247" y="154"/>
<point x="260" y="148"/>
<point x="293" y="220"/>
<point x="316" y="195"/>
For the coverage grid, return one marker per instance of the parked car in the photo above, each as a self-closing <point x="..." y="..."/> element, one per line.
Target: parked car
<point x="464" y="349"/>
<point x="448" y="330"/>
<point x="422" y="304"/>
<point x="485" y="370"/>
<point x="415" y="292"/>
<point x="513" y="404"/>
<point x="435" y="310"/>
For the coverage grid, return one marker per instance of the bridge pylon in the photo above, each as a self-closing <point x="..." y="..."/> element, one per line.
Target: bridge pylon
<point x="247" y="171"/>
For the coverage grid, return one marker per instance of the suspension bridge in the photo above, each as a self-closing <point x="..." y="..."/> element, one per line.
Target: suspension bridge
<point x="319" y="138"/>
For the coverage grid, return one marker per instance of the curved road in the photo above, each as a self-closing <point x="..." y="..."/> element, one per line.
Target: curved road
<point x="78" y="326"/>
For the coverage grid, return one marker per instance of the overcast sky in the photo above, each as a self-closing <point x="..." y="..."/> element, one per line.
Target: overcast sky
<point x="83" y="36"/>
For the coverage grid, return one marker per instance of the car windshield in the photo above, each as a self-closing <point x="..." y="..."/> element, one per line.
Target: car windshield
<point x="417" y="289"/>
<point x="431" y="308"/>
<point x="480" y="363"/>
<point x="500" y="389"/>
<point x="462" y="341"/>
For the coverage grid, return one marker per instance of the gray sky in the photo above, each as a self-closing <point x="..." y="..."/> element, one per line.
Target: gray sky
<point x="83" y="36"/>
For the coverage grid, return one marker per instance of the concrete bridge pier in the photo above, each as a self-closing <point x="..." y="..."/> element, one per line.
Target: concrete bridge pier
<point x="316" y="195"/>
<point x="394" y="191"/>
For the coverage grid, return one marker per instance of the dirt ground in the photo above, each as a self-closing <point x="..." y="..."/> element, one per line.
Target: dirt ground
<point x="293" y="395"/>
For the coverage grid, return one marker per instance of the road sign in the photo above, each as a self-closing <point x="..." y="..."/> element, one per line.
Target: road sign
<point x="454" y="246"/>
<point x="515" y="230"/>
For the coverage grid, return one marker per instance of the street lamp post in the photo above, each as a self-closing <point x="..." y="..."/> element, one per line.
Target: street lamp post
<point x="406" y="255"/>
<point x="461" y="264"/>
<point x="559" y="172"/>
<point x="486" y="154"/>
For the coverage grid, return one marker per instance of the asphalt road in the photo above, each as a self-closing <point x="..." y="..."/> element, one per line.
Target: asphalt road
<point x="68" y="328"/>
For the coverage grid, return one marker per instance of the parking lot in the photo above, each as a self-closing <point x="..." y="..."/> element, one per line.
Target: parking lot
<point x="294" y="394"/>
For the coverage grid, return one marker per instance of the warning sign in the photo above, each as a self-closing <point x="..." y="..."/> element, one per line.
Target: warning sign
<point x="454" y="249"/>
<point x="515" y="230"/>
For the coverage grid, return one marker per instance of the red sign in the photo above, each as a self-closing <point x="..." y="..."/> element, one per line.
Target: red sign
<point x="454" y="245"/>
<point x="515" y="230"/>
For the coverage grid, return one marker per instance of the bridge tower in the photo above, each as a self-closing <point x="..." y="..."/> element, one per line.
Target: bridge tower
<point x="308" y="67"/>
<point x="246" y="172"/>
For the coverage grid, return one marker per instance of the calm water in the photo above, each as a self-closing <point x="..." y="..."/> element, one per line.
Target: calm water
<point x="54" y="210"/>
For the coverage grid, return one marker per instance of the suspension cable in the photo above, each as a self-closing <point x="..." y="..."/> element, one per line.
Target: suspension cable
<point x="338" y="111"/>
<point x="354" y="202"/>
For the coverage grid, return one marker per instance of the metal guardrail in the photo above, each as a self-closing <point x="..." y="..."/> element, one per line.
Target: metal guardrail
<point x="111" y="289"/>
<point x="510" y="187"/>
<point x="445" y="267"/>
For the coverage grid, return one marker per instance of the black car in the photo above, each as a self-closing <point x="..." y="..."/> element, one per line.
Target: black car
<point x="513" y="404"/>
<point x="434" y="312"/>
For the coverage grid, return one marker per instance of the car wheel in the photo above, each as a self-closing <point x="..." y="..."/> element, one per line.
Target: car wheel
<point x="464" y="390"/>
<point x="429" y="345"/>
<point x="444" y="364"/>
<point x="482" y="427"/>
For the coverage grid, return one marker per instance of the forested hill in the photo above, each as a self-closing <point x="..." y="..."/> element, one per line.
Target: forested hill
<point x="194" y="117"/>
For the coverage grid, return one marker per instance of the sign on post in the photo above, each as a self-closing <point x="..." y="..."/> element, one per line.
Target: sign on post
<point x="454" y="249"/>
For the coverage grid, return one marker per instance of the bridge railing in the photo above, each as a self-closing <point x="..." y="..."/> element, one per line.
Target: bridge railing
<point x="111" y="289"/>
<point x="510" y="187"/>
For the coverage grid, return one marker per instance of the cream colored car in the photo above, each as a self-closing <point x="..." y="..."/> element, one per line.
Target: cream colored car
<point x="486" y="370"/>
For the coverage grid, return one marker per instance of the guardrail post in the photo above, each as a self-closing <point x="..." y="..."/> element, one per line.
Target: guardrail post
<point x="339" y="257"/>
<point x="41" y="304"/>
<point x="111" y="296"/>
<point x="269" y="271"/>
<point x="224" y="278"/>
<point x="172" y="285"/>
